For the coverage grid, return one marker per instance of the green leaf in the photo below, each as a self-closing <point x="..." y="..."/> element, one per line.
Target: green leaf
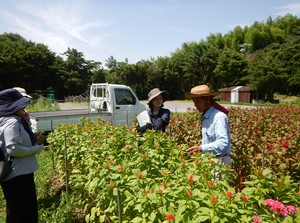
<point x="137" y="220"/>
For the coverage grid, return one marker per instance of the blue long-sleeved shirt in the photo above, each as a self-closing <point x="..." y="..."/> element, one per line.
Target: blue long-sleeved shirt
<point x="215" y="132"/>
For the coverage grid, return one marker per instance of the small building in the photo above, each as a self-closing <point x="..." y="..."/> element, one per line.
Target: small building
<point x="236" y="94"/>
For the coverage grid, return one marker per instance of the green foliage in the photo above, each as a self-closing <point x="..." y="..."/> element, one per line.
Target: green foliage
<point x="265" y="137"/>
<point x="158" y="182"/>
<point x="42" y="104"/>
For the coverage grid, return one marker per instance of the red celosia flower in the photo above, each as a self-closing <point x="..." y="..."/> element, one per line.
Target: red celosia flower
<point x="229" y="193"/>
<point x="164" y="173"/>
<point x="140" y="175"/>
<point x="245" y="198"/>
<point x="106" y="166"/>
<point x="191" y="179"/>
<point x="164" y="185"/>
<point x="256" y="219"/>
<point x="121" y="168"/>
<point x="214" y="199"/>
<point x="285" y="144"/>
<point x="212" y="161"/>
<point x="190" y="192"/>
<point x="196" y="162"/>
<point x="144" y="155"/>
<point x="211" y="184"/>
<point x="160" y="191"/>
<point x="111" y="185"/>
<point x="182" y="165"/>
<point x="170" y="217"/>
<point x="148" y="192"/>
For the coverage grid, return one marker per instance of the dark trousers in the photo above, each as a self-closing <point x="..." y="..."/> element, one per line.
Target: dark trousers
<point x="21" y="201"/>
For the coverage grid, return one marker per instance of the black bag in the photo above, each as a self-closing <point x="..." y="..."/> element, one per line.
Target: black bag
<point x="5" y="166"/>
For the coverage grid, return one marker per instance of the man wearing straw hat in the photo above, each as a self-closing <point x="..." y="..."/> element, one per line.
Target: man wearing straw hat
<point x="215" y="128"/>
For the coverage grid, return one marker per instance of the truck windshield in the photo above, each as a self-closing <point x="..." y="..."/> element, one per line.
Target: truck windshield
<point x="124" y="97"/>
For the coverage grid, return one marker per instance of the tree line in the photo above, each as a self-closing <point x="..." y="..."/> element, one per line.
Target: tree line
<point x="264" y="56"/>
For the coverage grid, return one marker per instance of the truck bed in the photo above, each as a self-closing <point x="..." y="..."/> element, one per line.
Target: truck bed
<point x="48" y="121"/>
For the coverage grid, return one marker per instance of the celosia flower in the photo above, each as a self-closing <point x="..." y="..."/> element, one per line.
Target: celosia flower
<point x="106" y="166"/>
<point x="212" y="161"/>
<point x="285" y="143"/>
<point x="214" y="199"/>
<point x="127" y="147"/>
<point x="291" y="209"/>
<point x="245" y="198"/>
<point x="211" y="184"/>
<point x="191" y="179"/>
<point x="256" y="219"/>
<point x="170" y="217"/>
<point x="164" y="184"/>
<point x="111" y="185"/>
<point x="121" y="168"/>
<point x="148" y="192"/>
<point x="140" y="175"/>
<point x="182" y="165"/>
<point x="190" y="193"/>
<point x="160" y="191"/>
<point x="229" y="193"/>
<point x="276" y="207"/>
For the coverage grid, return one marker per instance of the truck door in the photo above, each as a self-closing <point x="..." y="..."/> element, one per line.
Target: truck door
<point x="127" y="106"/>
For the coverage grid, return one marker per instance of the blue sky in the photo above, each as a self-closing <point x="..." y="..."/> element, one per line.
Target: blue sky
<point x="132" y="29"/>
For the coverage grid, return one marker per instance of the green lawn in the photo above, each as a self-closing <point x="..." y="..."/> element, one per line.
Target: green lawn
<point x="42" y="176"/>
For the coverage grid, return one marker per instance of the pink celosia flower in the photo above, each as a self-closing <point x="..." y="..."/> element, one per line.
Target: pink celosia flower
<point x="276" y="206"/>
<point x="256" y="219"/>
<point x="291" y="209"/>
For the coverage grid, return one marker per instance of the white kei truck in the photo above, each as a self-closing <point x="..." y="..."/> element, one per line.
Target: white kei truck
<point x="114" y="103"/>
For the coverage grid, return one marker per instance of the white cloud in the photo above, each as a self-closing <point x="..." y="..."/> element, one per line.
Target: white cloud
<point x="292" y="8"/>
<point x="58" y="26"/>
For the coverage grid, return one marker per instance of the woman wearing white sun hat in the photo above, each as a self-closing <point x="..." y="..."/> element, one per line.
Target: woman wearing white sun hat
<point x="159" y="116"/>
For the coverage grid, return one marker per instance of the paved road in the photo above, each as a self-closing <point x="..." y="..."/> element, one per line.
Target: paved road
<point x="174" y="106"/>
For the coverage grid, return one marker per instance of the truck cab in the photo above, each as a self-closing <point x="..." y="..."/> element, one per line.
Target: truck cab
<point x="114" y="103"/>
<point x="116" y="99"/>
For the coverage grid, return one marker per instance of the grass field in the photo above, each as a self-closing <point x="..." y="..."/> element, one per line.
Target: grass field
<point x="42" y="176"/>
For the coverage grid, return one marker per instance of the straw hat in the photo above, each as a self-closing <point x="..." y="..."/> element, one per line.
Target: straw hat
<point x="200" y="91"/>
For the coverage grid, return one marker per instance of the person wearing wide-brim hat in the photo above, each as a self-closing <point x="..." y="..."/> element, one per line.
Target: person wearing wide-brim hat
<point x="159" y="117"/>
<point x="19" y="186"/>
<point x="215" y="128"/>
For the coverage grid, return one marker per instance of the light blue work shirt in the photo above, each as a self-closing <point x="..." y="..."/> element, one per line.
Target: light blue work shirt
<point x="215" y="132"/>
